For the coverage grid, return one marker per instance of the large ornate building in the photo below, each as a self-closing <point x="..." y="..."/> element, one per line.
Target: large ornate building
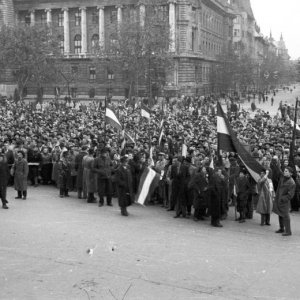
<point x="200" y="30"/>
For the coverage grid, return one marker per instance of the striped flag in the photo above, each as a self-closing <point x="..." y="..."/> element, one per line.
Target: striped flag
<point x="129" y="138"/>
<point x="161" y="132"/>
<point x="112" y="119"/>
<point x="228" y="141"/>
<point x="148" y="183"/>
<point x="145" y="111"/>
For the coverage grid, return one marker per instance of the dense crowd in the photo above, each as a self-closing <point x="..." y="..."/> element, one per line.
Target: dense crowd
<point x="70" y="146"/>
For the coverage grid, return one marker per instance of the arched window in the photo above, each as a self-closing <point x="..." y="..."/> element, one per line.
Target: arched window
<point x="95" y="43"/>
<point x="77" y="43"/>
<point x="61" y="44"/>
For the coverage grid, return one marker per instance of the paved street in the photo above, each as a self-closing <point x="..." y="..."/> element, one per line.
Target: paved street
<point x="284" y="96"/>
<point x="149" y="255"/>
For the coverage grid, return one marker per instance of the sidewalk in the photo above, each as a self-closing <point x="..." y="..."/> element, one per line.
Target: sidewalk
<point x="149" y="255"/>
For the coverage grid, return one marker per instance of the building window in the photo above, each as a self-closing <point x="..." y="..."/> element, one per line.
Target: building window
<point x="163" y="12"/>
<point x="92" y="93"/>
<point x="95" y="17"/>
<point x="77" y="44"/>
<point x="95" y="43"/>
<point x="77" y="18"/>
<point x="236" y="32"/>
<point x="113" y="16"/>
<point x="92" y="73"/>
<point x="25" y="91"/>
<point x="110" y="74"/>
<point x="61" y="19"/>
<point x="194" y="34"/>
<point x="74" y="92"/>
<point x="43" y="18"/>
<point x="74" y="70"/>
<point x="61" y="44"/>
<point x="27" y="19"/>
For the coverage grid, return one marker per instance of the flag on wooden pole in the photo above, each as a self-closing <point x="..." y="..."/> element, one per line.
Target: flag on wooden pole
<point x="145" y="111"/>
<point x="161" y="132"/>
<point x="228" y="141"/>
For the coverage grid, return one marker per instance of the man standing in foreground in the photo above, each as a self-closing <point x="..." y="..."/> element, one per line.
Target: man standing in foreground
<point x="4" y="176"/>
<point x="284" y="194"/>
<point x="124" y="185"/>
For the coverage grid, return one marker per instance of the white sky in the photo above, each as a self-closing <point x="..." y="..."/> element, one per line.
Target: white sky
<point x="280" y="16"/>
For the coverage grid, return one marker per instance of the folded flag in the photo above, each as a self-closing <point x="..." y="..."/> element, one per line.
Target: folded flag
<point x="148" y="182"/>
<point x="112" y="119"/>
<point x="145" y="111"/>
<point x="228" y="141"/>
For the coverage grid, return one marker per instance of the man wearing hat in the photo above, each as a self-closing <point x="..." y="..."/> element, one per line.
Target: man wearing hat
<point x="103" y="167"/>
<point x="124" y="185"/>
<point x="79" y="169"/>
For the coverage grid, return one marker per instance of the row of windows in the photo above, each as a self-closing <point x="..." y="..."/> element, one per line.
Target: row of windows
<point x="128" y="12"/>
<point x="78" y="43"/>
<point x="211" y="21"/>
<point x="92" y="73"/>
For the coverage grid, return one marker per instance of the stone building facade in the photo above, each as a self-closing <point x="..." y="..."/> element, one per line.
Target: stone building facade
<point x="200" y="30"/>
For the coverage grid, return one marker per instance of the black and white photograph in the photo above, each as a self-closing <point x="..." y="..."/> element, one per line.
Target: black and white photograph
<point x="149" y="149"/>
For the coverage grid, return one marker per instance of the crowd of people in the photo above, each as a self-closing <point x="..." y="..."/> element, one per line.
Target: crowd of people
<point x="70" y="146"/>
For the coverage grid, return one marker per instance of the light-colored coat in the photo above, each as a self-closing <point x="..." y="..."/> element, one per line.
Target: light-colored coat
<point x="20" y="174"/>
<point x="265" y="196"/>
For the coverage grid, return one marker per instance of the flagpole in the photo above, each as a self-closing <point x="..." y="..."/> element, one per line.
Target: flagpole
<point x="105" y="121"/>
<point x="292" y="144"/>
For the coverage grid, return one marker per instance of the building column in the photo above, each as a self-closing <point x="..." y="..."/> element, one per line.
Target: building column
<point x="32" y="17"/>
<point x="49" y="16"/>
<point x="66" y="30"/>
<point x="101" y="27"/>
<point x="83" y="30"/>
<point x="119" y="14"/>
<point x="172" y="24"/>
<point x="142" y="11"/>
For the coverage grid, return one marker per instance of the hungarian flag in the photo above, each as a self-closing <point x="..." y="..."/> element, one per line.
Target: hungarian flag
<point x="126" y="138"/>
<point x="112" y="119"/>
<point x="161" y="132"/>
<point x="145" y="111"/>
<point x="148" y="182"/>
<point x="228" y="141"/>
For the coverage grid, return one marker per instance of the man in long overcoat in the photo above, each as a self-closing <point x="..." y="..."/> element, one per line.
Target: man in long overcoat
<point x="284" y="194"/>
<point x="124" y="186"/>
<point x="89" y="177"/>
<point x="4" y="177"/>
<point x="81" y="193"/>
<point x="102" y="167"/>
<point x="20" y="170"/>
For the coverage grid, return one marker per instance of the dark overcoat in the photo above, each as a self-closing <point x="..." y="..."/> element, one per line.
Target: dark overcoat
<point x="284" y="193"/>
<point x="124" y="186"/>
<point x="20" y="174"/>
<point x="79" y="169"/>
<point x="4" y="173"/>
